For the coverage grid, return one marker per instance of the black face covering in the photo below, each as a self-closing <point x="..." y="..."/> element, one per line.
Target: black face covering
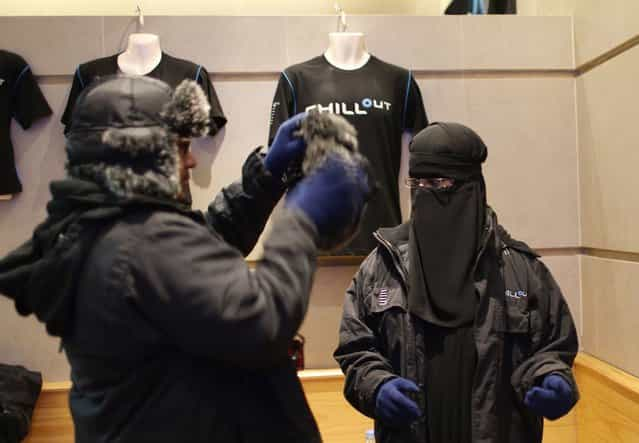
<point x="446" y="225"/>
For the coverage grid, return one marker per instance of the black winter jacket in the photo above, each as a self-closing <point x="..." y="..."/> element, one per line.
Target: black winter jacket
<point x="523" y="331"/>
<point x="172" y="337"/>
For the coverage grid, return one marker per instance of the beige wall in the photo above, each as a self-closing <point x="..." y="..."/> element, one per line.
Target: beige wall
<point x="259" y="7"/>
<point x="607" y="117"/>
<point x="204" y="7"/>
<point x="610" y="307"/>
<point x="602" y="25"/>
<point x="609" y="157"/>
<point x="608" y="141"/>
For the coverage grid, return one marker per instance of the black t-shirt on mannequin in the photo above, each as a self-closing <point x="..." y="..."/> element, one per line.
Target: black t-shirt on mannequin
<point x="461" y="7"/>
<point x="20" y="99"/>
<point x="171" y="70"/>
<point x="382" y="101"/>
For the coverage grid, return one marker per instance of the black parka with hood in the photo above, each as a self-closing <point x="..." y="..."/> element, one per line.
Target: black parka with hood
<point x="523" y="332"/>
<point x="171" y="337"/>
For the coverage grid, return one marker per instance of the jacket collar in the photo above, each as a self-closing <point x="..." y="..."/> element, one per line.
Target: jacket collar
<point x="395" y="242"/>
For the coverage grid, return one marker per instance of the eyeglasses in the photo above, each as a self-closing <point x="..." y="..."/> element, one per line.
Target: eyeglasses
<point x="439" y="183"/>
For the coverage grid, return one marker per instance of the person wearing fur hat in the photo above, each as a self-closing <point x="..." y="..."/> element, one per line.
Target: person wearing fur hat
<point x="169" y="334"/>
<point x="453" y="331"/>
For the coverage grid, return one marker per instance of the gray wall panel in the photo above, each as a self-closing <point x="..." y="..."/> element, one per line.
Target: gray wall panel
<point x="221" y="44"/>
<point x="608" y="142"/>
<point x="52" y="45"/>
<point x="498" y="42"/>
<point x="268" y="44"/>
<point x="413" y="42"/>
<point x="610" y="306"/>
<point x="40" y="158"/>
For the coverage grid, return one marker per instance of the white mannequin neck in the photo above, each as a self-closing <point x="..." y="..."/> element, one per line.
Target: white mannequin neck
<point x="347" y="50"/>
<point x="143" y="54"/>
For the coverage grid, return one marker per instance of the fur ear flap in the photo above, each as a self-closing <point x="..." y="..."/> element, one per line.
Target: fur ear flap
<point x="136" y="144"/>
<point x="187" y="113"/>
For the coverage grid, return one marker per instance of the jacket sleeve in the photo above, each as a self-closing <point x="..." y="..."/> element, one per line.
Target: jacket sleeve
<point x="240" y="211"/>
<point x="201" y="295"/>
<point x="558" y="343"/>
<point x="358" y="352"/>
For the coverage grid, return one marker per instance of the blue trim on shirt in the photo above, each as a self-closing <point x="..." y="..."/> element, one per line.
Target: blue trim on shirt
<point x="290" y="83"/>
<point x="478" y="7"/>
<point x="197" y="74"/>
<point x="24" y="70"/>
<point x="410" y="76"/>
<point x="77" y="74"/>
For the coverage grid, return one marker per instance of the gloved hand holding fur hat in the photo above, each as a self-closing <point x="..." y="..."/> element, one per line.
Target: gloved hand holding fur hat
<point x="337" y="181"/>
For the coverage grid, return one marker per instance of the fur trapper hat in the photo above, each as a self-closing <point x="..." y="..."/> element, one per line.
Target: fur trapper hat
<point x="124" y="131"/>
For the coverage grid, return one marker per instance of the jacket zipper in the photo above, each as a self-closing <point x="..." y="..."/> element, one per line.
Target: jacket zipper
<point x="394" y="255"/>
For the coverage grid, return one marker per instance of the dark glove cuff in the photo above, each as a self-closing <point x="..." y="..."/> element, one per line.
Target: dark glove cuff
<point x="258" y="181"/>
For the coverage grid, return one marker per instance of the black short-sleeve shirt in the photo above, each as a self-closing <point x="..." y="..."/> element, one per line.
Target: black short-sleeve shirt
<point x="382" y="101"/>
<point x="20" y="99"/>
<point x="171" y="70"/>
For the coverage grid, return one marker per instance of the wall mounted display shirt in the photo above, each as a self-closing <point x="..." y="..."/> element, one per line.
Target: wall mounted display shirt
<point x="382" y="101"/>
<point x="457" y="7"/>
<point x="171" y="70"/>
<point x="20" y="99"/>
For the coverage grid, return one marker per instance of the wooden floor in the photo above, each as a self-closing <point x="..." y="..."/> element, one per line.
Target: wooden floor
<point x="607" y="413"/>
<point x="51" y="418"/>
<point x="609" y="408"/>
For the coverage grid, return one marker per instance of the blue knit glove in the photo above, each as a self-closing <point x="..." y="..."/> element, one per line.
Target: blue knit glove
<point x="392" y="406"/>
<point x="333" y="196"/>
<point x="287" y="148"/>
<point x="553" y="399"/>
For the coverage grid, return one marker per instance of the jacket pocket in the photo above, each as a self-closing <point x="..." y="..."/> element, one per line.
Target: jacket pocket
<point x="516" y="330"/>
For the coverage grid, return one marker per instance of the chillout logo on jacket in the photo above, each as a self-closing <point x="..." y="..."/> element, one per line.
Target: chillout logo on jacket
<point x="516" y="294"/>
<point x="358" y="108"/>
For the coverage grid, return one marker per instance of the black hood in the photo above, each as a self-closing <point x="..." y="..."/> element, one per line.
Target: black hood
<point x="446" y="224"/>
<point x="447" y="150"/>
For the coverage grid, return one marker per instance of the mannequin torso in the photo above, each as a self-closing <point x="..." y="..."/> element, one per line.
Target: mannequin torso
<point x="143" y="54"/>
<point x="347" y="50"/>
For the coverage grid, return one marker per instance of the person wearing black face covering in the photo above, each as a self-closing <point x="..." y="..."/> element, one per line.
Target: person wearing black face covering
<point x="452" y="331"/>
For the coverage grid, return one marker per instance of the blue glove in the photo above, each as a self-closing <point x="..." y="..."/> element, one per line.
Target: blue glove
<point x="392" y="406"/>
<point x="553" y="399"/>
<point x="333" y="196"/>
<point x="286" y="148"/>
